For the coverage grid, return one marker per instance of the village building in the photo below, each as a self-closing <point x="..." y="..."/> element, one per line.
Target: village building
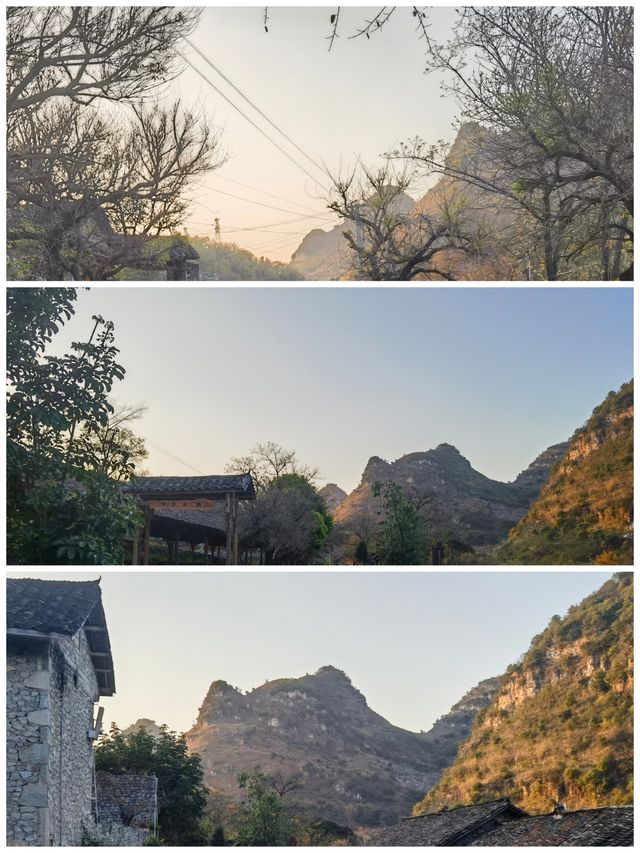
<point x="611" y="826"/>
<point x="59" y="664"/>
<point x="197" y="510"/>
<point x="501" y="824"/>
<point x="449" y="827"/>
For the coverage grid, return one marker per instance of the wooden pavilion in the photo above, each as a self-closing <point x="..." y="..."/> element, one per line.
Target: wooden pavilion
<point x="188" y="509"/>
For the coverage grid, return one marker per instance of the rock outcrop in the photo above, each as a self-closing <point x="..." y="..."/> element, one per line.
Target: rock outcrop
<point x="353" y="766"/>
<point x="464" y="503"/>
<point x="333" y="496"/>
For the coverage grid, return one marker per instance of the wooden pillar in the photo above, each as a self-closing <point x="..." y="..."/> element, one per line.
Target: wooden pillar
<point x="229" y="530"/>
<point x="206" y="553"/>
<point x="176" y="549"/>
<point x="235" y="529"/>
<point x="135" y="556"/>
<point x="148" y="514"/>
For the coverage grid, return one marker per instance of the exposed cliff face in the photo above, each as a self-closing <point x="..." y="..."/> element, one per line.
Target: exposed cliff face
<point x="452" y="729"/>
<point x="333" y="496"/>
<point x="465" y="503"/>
<point x="354" y="766"/>
<point x="584" y="512"/>
<point x="560" y="728"/>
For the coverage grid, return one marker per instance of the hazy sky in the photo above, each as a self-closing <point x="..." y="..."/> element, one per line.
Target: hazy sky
<point x="412" y="643"/>
<point x="342" y="374"/>
<point x="357" y="100"/>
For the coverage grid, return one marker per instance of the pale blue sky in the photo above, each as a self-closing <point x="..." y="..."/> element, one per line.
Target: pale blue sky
<point x="358" y="100"/>
<point x="342" y="374"/>
<point x="412" y="643"/>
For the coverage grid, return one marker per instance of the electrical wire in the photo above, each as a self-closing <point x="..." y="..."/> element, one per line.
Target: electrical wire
<point x="256" y="108"/>
<point x="251" y="122"/>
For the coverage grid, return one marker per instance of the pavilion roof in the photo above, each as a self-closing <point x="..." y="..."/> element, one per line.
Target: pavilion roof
<point x="212" y="487"/>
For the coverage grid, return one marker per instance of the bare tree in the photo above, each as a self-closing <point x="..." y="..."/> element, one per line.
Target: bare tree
<point x="393" y="239"/>
<point x="268" y="462"/>
<point x="92" y="165"/>
<point x="551" y="90"/>
<point x="85" y="53"/>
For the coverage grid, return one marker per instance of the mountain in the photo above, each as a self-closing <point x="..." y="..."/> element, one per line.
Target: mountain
<point x="325" y="255"/>
<point x="584" y="512"/>
<point x="354" y="767"/>
<point x="464" y="503"/>
<point x="333" y="496"/>
<point x="560" y="728"/>
<point x="143" y="723"/>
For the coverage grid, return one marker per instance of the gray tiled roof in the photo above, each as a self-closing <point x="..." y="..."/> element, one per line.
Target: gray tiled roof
<point x="444" y="828"/>
<point x="214" y="486"/>
<point x="50" y="607"/>
<point x="605" y="827"/>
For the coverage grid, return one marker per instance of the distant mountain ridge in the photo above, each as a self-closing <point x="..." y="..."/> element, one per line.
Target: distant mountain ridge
<point x="465" y="503"/>
<point x="354" y="766"/>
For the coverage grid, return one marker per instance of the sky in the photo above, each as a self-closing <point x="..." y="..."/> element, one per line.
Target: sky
<point x="356" y="101"/>
<point x="412" y="643"/>
<point x="343" y="374"/>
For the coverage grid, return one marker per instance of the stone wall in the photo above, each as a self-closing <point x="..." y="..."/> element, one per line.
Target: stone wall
<point x="28" y="740"/>
<point x="51" y="691"/>
<point x="74" y="690"/>
<point x="127" y="800"/>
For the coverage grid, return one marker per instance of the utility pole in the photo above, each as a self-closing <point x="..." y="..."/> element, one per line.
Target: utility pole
<point x="216" y="229"/>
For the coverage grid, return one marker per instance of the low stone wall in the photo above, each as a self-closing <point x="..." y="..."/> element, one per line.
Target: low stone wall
<point x="127" y="800"/>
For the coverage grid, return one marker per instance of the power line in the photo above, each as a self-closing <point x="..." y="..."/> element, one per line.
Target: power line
<point x="251" y="122"/>
<point x="256" y="108"/>
<point x="264" y="192"/>
<point x="173" y="456"/>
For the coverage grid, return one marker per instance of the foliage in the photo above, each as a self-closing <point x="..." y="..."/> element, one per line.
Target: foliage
<point x="181" y="793"/>
<point x="221" y="262"/>
<point x="561" y="728"/>
<point x="114" y="448"/>
<point x="584" y="512"/>
<point x="289" y="520"/>
<point x="267" y="822"/>
<point x="402" y="540"/>
<point x="59" y="511"/>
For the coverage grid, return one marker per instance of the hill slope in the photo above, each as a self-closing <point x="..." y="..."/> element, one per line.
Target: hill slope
<point x="354" y="767"/>
<point x="561" y="725"/>
<point x="584" y="512"/>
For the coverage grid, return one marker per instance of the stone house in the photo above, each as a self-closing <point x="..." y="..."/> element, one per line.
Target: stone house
<point x="59" y="664"/>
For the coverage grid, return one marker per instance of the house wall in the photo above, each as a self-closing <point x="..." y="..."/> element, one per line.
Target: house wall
<point x="28" y="741"/>
<point x="74" y="690"/>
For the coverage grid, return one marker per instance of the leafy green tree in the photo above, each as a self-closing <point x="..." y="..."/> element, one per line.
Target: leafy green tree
<point x="402" y="540"/>
<point x="58" y="510"/>
<point x="267" y="820"/>
<point x="114" y="448"/>
<point x="181" y="793"/>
